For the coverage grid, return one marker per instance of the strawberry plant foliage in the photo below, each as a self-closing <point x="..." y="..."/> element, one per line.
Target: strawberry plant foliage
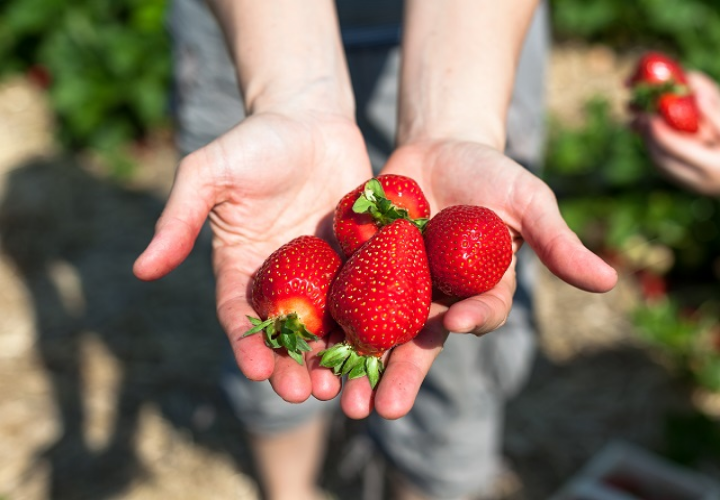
<point x="91" y="49"/>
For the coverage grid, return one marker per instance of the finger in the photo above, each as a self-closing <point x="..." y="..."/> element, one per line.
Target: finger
<point x="407" y="367"/>
<point x="357" y="398"/>
<point x="690" y="176"/>
<point x="705" y="89"/>
<point x="685" y="149"/>
<point x="485" y="312"/>
<point x="670" y="166"/>
<point x="710" y="111"/>
<point x="290" y="380"/>
<point x="544" y="229"/>
<point x="254" y="358"/>
<point x="325" y="384"/>
<point x="187" y="208"/>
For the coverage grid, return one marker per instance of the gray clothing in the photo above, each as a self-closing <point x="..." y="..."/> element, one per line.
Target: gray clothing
<point x="448" y="445"/>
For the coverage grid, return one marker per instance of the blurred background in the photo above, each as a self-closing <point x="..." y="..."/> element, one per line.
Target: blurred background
<point x="107" y="385"/>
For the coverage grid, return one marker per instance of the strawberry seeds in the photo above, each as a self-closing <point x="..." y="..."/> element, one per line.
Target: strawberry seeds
<point x="380" y="297"/>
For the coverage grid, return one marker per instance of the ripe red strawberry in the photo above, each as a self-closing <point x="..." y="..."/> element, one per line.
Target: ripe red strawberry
<point x="653" y="286"/>
<point x="659" y="85"/>
<point x="290" y="291"/>
<point x="381" y="298"/>
<point x="378" y="202"/>
<point x="655" y="68"/>
<point x="680" y="112"/>
<point x="469" y="249"/>
<point x="655" y="75"/>
<point x="40" y="75"/>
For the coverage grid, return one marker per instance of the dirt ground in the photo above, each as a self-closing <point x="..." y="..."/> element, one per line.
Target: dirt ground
<point x="108" y="385"/>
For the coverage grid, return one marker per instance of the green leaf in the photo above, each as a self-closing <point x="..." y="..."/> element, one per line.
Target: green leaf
<point x="374" y="190"/>
<point x="296" y="356"/>
<point x="306" y="334"/>
<point x="335" y="356"/>
<point x="373" y="366"/>
<point x="302" y="345"/>
<point x="362" y="205"/>
<point x="350" y="363"/>
<point x="288" y="341"/>
<point x="272" y="341"/>
<point x="420" y="223"/>
<point x="394" y="213"/>
<point x="258" y="326"/>
<point x="358" y="371"/>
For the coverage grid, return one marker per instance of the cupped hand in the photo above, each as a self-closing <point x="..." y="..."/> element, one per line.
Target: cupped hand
<point x="453" y="173"/>
<point x="691" y="160"/>
<point x="268" y="180"/>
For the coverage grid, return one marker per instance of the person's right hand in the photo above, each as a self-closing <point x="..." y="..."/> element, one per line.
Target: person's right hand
<point x="270" y="179"/>
<point x="459" y="172"/>
<point x="691" y="160"/>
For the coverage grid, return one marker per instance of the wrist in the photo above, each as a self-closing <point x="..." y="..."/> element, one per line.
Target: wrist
<point x="321" y="94"/>
<point x="483" y="129"/>
<point x="458" y="69"/>
<point x="287" y="54"/>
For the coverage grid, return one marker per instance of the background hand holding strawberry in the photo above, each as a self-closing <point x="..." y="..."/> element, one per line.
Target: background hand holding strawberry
<point x="660" y="85"/>
<point x="692" y="160"/>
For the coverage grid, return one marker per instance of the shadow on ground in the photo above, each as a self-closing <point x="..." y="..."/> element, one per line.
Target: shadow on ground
<point x="164" y="335"/>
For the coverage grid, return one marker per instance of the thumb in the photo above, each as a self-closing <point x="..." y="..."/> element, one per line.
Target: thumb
<point x="190" y="201"/>
<point x="559" y="248"/>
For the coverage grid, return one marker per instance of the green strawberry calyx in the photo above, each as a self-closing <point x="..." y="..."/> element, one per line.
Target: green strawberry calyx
<point x="374" y="202"/>
<point x="284" y="332"/>
<point x="645" y="96"/>
<point x="345" y="360"/>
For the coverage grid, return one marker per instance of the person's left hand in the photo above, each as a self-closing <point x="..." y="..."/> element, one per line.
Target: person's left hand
<point x="454" y="173"/>
<point x="273" y="177"/>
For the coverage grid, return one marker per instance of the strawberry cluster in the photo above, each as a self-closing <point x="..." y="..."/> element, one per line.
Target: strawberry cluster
<point x="659" y="85"/>
<point x="396" y="255"/>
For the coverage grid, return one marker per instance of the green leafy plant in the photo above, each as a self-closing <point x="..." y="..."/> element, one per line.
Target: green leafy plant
<point x="689" y="339"/>
<point x="687" y="28"/>
<point x="609" y="191"/>
<point x="106" y="64"/>
<point x="612" y="196"/>
<point x="692" y="438"/>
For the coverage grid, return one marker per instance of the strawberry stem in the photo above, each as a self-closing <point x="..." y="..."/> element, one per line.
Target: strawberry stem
<point x="374" y="202"/>
<point x="645" y="96"/>
<point x="345" y="360"/>
<point x="286" y="332"/>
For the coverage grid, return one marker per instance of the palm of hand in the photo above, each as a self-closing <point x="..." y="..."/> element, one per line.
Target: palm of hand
<point x="278" y="179"/>
<point x="268" y="180"/>
<point x="452" y="173"/>
<point x="449" y="175"/>
<point x="458" y="173"/>
<point x="462" y="173"/>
